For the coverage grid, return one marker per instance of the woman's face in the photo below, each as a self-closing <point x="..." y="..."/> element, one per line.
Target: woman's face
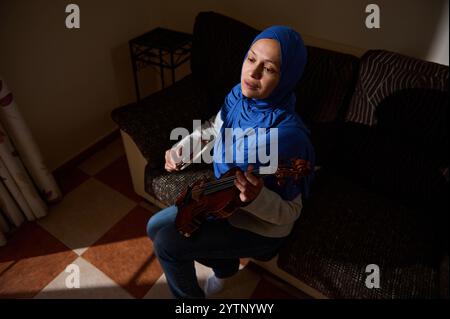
<point x="261" y="69"/>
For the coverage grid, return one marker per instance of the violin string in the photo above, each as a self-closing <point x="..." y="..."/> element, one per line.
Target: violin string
<point x="225" y="180"/>
<point x="220" y="182"/>
<point x="224" y="183"/>
<point x="212" y="185"/>
<point x="219" y="187"/>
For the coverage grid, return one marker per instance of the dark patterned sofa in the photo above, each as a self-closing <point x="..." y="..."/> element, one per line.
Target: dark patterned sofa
<point x="380" y="129"/>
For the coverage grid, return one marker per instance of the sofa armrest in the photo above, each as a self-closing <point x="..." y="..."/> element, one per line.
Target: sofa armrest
<point x="150" y="121"/>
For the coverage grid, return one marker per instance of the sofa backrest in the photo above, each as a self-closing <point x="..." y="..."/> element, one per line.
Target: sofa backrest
<point x="403" y="148"/>
<point x="218" y="50"/>
<point x="220" y="44"/>
<point x="383" y="73"/>
<point x="323" y="93"/>
<point x="323" y="96"/>
<point x="327" y="84"/>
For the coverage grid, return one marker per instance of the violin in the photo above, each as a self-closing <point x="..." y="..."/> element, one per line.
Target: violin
<point x="220" y="198"/>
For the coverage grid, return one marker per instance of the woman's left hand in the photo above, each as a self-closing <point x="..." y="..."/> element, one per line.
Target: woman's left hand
<point x="249" y="185"/>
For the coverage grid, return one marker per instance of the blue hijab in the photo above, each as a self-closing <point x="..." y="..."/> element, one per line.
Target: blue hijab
<point x="275" y="111"/>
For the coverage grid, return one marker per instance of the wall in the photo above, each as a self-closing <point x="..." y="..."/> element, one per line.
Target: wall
<point x="417" y="28"/>
<point x="66" y="82"/>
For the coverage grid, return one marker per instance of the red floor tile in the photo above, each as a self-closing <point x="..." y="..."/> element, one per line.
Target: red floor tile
<point x="117" y="176"/>
<point x="125" y="254"/>
<point x="31" y="259"/>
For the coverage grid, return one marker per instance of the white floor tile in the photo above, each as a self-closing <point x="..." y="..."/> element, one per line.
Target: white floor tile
<point x="103" y="158"/>
<point x="94" y="284"/>
<point x="85" y="214"/>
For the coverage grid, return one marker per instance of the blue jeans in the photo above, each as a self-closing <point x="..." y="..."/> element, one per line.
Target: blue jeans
<point x="216" y="244"/>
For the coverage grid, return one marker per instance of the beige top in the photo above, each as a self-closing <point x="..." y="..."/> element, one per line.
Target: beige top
<point x="268" y="215"/>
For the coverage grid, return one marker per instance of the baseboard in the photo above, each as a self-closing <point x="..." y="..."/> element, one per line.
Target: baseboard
<point x="101" y="143"/>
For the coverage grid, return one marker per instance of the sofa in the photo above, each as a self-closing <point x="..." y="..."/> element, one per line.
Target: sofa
<point x="379" y="126"/>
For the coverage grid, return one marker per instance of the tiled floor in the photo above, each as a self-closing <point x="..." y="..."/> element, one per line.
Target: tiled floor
<point x="99" y="226"/>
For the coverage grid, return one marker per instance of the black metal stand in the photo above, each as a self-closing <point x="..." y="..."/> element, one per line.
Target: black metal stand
<point x="165" y="48"/>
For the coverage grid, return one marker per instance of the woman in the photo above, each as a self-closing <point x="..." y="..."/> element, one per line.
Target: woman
<point x="263" y="99"/>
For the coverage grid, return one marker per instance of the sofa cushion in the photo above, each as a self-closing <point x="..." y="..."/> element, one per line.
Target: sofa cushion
<point x="167" y="187"/>
<point x="383" y="73"/>
<point x="150" y="121"/>
<point x="404" y="154"/>
<point x="344" y="227"/>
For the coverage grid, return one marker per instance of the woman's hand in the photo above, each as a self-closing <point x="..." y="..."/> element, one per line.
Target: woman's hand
<point x="173" y="159"/>
<point x="249" y="185"/>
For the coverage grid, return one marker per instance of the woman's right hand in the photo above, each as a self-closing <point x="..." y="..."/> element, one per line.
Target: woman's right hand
<point x="173" y="159"/>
